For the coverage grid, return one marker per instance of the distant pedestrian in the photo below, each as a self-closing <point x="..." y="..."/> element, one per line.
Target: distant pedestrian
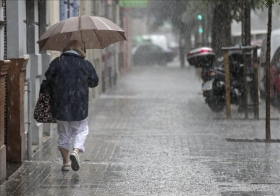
<point x="69" y="77"/>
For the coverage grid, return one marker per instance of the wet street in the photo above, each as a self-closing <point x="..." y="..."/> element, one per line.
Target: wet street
<point x="153" y="135"/>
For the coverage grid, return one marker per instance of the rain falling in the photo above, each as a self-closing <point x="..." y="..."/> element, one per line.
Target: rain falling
<point x="139" y="97"/>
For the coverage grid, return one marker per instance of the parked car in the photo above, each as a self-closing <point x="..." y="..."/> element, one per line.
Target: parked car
<point x="274" y="69"/>
<point x="255" y="35"/>
<point x="148" y="53"/>
<point x="257" y="42"/>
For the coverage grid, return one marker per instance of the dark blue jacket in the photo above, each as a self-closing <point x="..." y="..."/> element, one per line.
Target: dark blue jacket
<point x="69" y="77"/>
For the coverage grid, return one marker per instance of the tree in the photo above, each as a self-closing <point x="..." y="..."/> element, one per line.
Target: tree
<point x="182" y="15"/>
<point x="171" y="10"/>
<point x="268" y="4"/>
<point x="224" y="12"/>
<point x="221" y="27"/>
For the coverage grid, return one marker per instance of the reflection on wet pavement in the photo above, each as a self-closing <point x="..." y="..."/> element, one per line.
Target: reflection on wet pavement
<point x="151" y="135"/>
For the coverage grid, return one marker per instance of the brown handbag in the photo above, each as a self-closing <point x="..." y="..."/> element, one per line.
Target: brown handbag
<point x="42" y="112"/>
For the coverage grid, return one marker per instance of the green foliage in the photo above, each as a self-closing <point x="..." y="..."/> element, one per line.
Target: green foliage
<point x="171" y="10"/>
<point x="270" y="2"/>
<point x="236" y="6"/>
<point x="174" y="10"/>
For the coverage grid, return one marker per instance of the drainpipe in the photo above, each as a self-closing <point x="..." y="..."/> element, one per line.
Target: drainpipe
<point x="29" y="132"/>
<point x="62" y="10"/>
<point x="76" y="8"/>
<point x="68" y="9"/>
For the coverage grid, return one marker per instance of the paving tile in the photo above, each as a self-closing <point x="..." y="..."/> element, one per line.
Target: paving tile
<point x="153" y="135"/>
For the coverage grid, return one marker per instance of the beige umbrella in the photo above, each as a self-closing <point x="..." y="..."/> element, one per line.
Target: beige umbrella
<point x="95" y="32"/>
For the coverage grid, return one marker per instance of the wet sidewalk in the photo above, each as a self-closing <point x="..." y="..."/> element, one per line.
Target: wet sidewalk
<point x="153" y="135"/>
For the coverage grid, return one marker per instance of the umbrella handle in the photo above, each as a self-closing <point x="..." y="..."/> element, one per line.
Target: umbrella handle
<point x="82" y="35"/>
<point x="84" y="46"/>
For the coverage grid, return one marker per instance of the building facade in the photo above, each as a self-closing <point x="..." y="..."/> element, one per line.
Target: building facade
<point x="22" y="67"/>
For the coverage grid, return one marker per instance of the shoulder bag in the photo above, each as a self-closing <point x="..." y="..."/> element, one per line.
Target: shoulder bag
<point x="42" y="112"/>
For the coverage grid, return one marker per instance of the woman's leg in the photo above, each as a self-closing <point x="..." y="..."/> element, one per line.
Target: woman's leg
<point x="64" y="136"/>
<point x="79" y="131"/>
<point x="64" y="154"/>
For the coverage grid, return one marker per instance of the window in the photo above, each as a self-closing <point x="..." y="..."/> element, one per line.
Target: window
<point x="155" y="49"/>
<point x="260" y="36"/>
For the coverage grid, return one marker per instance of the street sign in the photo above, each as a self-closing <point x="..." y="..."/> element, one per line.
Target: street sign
<point x="134" y="3"/>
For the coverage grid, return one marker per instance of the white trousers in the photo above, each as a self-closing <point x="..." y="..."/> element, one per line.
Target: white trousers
<point x="75" y="130"/>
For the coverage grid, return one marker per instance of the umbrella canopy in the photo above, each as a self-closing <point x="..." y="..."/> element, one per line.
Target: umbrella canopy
<point x="95" y="32"/>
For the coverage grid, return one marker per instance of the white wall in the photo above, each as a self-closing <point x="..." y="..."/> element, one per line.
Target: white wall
<point x="53" y="17"/>
<point x="16" y="38"/>
<point x="259" y="20"/>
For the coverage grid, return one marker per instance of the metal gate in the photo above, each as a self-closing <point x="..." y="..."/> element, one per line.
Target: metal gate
<point x="5" y="27"/>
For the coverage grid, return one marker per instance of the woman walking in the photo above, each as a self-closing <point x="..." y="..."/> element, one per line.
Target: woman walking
<point x="69" y="77"/>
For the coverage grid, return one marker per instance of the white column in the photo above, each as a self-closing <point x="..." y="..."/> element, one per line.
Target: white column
<point x="45" y="56"/>
<point x="34" y="66"/>
<point x="16" y="38"/>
